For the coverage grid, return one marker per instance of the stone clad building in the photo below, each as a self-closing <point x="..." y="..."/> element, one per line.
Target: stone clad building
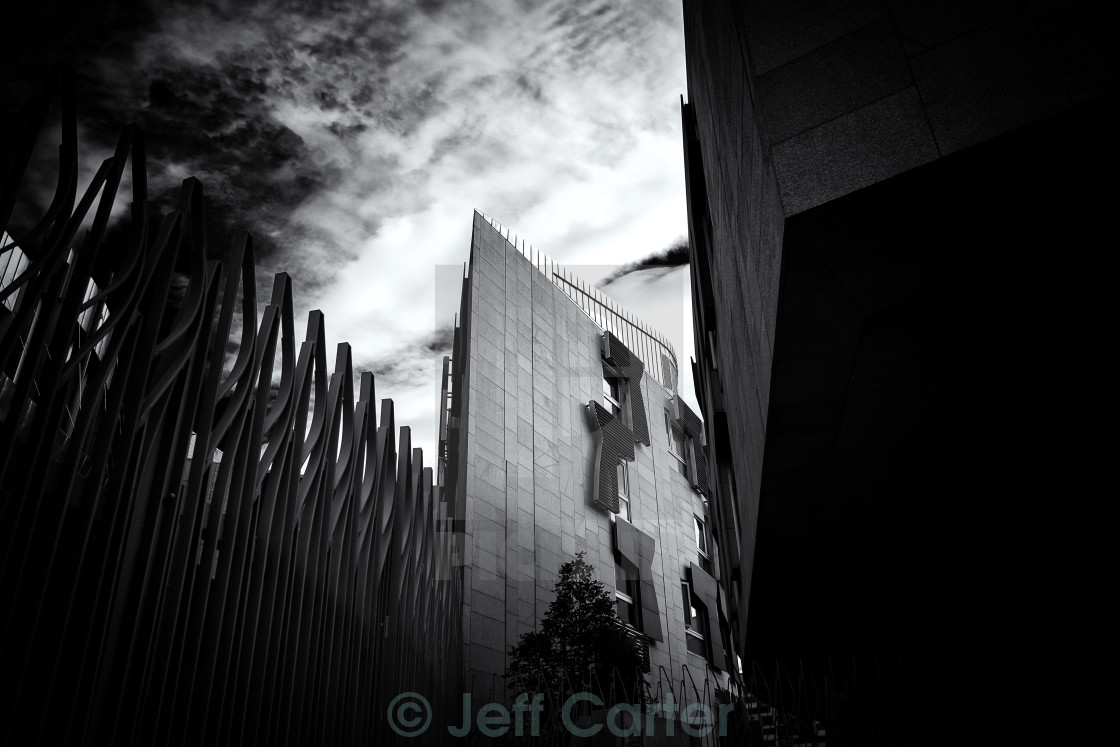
<point x="895" y="214"/>
<point x="562" y="432"/>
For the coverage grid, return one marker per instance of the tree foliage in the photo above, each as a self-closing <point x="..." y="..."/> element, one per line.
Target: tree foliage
<point x="580" y="646"/>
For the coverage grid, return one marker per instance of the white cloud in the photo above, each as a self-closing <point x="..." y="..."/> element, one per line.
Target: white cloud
<point x="559" y="118"/>
<point x="588" y="171"/>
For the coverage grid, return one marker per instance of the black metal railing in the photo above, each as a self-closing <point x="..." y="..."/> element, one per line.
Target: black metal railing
<point x="153" y="593"/>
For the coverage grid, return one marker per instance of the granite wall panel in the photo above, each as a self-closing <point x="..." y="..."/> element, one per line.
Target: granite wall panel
<point x="529" y="452"/>
<point x="862" y="147"/>
<point x="784" y="31"/>
<point x="988" y="82"/>
<point x="793" y="105"/>
<point x="831" y="80"/>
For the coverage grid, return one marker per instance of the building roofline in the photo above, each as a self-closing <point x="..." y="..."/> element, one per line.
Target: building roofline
<point x="561" y="276"/>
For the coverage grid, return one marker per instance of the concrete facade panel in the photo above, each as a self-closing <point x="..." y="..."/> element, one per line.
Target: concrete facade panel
<point x="988" y="82"/>
<point x="780" y="32"/>
<point x="489" y="607"/>
<point x="839" y="77"/>
<point x="858" y="149"/>
<point x="530" y="460"/>
<point x="1081" y="43"/>
<point x="925" y="26"/>
<point x="858" y="103"/>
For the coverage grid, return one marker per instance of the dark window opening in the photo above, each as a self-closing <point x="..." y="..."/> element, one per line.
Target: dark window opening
<point x="612" y="395"/>
<point x="676" y="446"/>
<point x="689" y="610"/>
<point x="627" y="594"/>
<point x="701" y="533"/>
<point x="693" y="623"/>
<point x="624" y="490"/>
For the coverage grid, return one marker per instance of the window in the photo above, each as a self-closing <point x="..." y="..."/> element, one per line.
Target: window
<point x="635" y="596"/>
<point x="701" y="535"/>
<point x="626" y="591"/>
<point x="676" y="446"/>
<point x="689" y="610"/>
<point x="695" y="643"/>
<point x="694" y="639"/>
<point x="624" y="490"/>
<point x="612" y="395"/>
<point x="702" y="543"/>
<point x="624" y="606"/>
<point x="616" y="396"/>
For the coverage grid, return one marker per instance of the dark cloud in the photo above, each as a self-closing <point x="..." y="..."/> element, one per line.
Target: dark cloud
<point x="39" y="35"/>
<point x="204" y="81"/>
<point x="393" y="373"/>
<point x="433" y="7"/>
<point x="529" y="85"/>
<point x="412" y="364"/>
<point x="451" y="143"/>
<point x="441" y="340"/>
<point x="214" y="121"/>
<point x="585" y="29"/>
<point x="674" y="255"/>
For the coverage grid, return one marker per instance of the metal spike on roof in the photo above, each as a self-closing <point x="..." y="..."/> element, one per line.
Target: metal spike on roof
<point x="570" y="283"/>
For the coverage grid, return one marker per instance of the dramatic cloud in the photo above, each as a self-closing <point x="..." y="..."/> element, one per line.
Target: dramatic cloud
<point x="412" y="362"/>
<point x="354" y="140"/>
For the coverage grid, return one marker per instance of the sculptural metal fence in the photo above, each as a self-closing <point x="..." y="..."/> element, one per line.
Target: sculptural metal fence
<point x="192" y="551"/>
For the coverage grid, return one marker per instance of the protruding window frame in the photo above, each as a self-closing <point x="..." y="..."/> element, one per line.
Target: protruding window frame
<point x="613" y="396"/>
<point x="677" y="437"/>
<point x="694" y="638"/>
<point x="624" y="497"/>
<point x="628" y="591"/>
<point x="703" y="542"/>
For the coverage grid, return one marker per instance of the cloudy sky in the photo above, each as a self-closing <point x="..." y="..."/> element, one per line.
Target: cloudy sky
<point x="354" y="140"/>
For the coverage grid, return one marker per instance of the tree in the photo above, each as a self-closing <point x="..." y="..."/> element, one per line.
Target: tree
<point x="581" y="646"/>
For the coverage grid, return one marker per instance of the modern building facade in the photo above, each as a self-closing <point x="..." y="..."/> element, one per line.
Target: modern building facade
<point x="896" y="301"/>
<point x="563" y="433"/>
